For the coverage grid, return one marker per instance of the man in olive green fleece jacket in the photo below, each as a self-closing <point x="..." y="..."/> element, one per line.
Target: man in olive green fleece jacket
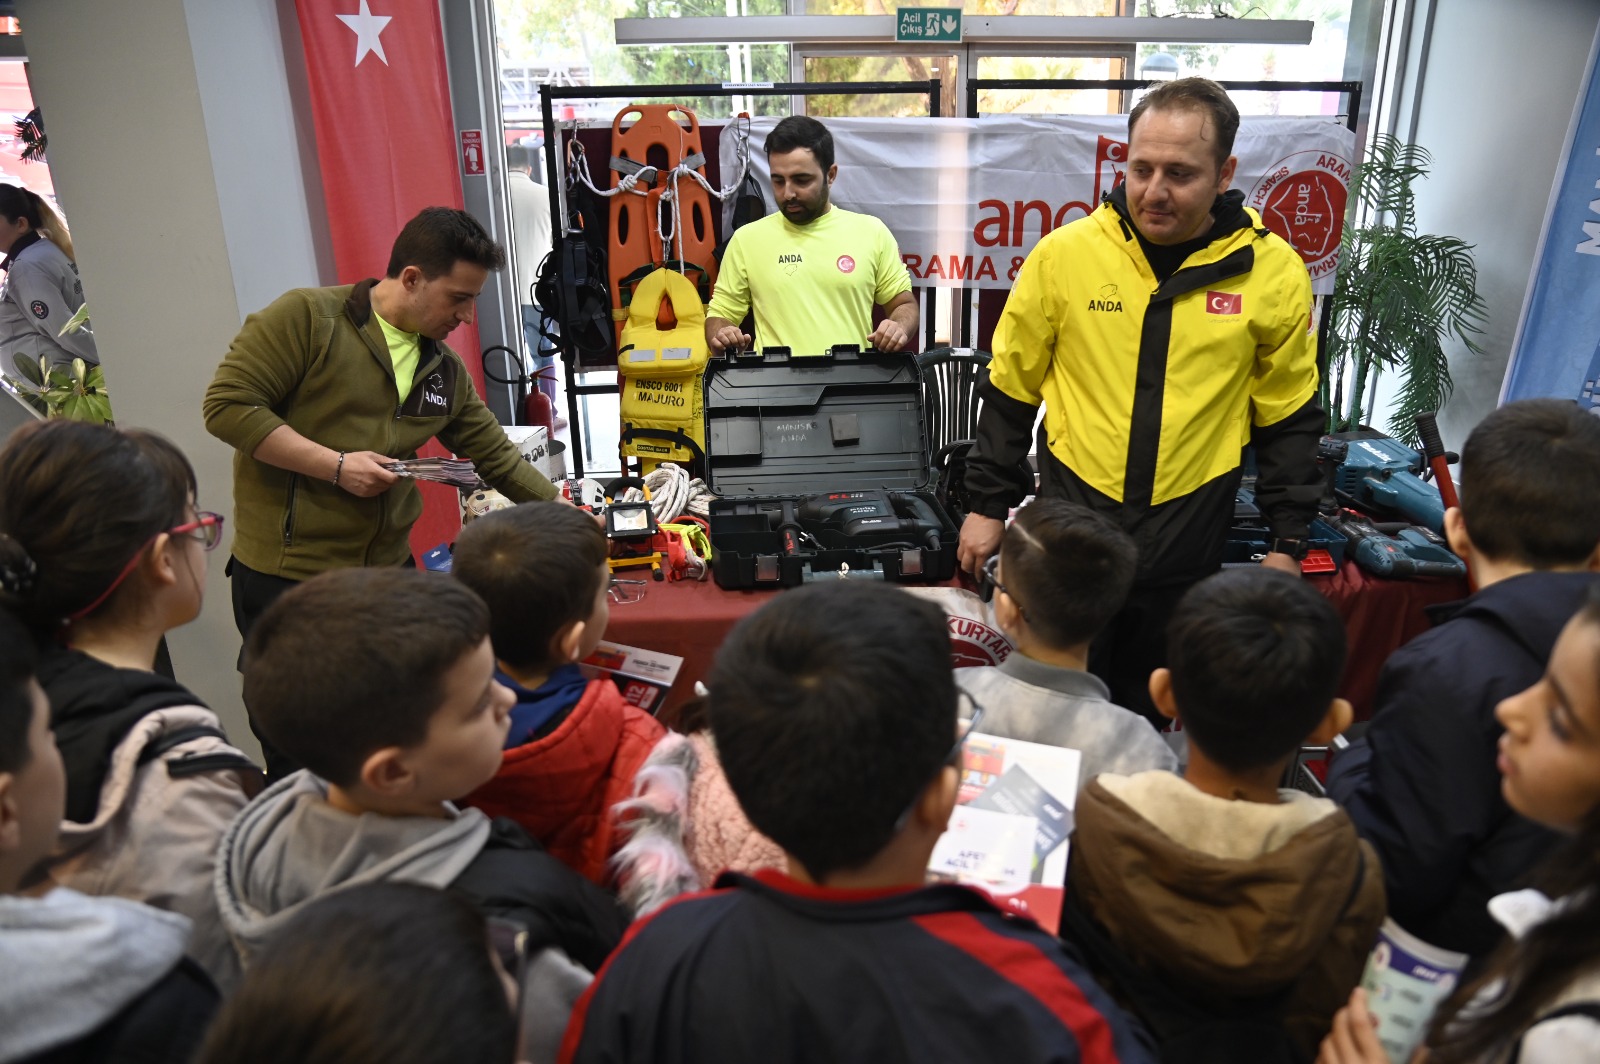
<point x="325" y="385"/>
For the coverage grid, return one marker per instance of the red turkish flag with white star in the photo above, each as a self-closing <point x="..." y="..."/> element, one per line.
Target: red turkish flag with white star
<point x="386" y="145"/>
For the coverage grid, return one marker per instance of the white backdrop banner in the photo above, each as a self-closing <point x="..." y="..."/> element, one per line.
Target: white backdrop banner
<point x="968" y="198"/>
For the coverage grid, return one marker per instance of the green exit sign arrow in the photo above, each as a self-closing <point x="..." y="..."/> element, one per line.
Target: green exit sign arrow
<point x="928" y="25"/>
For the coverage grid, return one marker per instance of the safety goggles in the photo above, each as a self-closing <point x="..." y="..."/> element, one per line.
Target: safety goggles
<point x="623" y="592"/>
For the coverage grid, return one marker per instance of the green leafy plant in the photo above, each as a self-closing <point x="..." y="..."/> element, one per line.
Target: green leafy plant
<point x="76" y="392"/>
<point x="1399" y="295"/>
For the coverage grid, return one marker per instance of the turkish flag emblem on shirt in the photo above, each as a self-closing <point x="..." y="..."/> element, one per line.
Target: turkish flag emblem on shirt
<point x="1224" y="302"/>
<point x="386" y="145"/>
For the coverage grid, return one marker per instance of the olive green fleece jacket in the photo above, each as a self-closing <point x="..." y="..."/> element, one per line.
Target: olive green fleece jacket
<point x="316" y="360"/>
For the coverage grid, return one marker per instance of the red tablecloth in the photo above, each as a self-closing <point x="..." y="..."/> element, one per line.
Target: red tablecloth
<point x="1380" y="616"/>
<point x="690" y="620"/>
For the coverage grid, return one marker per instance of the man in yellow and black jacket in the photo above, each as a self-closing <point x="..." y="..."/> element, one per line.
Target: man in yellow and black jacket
<point x="1162" y="335"/>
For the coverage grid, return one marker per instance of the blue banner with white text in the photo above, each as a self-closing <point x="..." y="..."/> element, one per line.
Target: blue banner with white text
<point x="1557" y="348"/>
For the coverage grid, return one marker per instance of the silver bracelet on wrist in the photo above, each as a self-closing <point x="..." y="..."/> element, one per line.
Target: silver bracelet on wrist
<point x="338" y="468"/>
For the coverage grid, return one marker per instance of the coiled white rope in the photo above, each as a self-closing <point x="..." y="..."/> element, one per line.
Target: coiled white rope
<point x="672" y="493"/>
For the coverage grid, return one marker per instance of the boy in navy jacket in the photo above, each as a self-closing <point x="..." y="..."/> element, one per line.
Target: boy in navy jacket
<point x="834" y="710"/>
<point x="1421" y="784"/>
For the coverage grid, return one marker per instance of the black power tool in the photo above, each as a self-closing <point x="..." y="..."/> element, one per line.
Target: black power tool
<point x="860" y="513"/>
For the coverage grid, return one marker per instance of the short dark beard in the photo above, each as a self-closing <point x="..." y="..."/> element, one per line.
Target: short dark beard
<point x="810" y="214"/>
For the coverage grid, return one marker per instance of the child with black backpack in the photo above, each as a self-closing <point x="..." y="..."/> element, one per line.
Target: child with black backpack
<point x="102" y="552"/>
<point x="1232" y="917"/>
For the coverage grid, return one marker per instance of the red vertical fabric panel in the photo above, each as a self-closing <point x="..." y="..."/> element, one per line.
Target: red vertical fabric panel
<point x="386" y="147"/>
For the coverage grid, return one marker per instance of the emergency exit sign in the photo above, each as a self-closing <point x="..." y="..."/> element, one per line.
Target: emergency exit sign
<point x="928" y="25"/>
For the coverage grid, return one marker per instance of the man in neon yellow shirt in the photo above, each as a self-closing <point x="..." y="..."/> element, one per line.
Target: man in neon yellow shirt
<point x="813" y="271"/>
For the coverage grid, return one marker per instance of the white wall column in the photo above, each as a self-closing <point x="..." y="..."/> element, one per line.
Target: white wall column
<point x="177" y="158"/>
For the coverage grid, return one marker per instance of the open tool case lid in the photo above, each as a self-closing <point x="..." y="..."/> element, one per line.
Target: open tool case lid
<point x="782" y="424"/>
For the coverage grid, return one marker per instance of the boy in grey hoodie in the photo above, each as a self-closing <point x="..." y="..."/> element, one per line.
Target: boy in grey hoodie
<point x="86" y="978"/>
<point x="381" y="682"/>
<point x="1063" y="571"/>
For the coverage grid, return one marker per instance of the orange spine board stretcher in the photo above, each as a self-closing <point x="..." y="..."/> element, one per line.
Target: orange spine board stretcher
<point x="659" y="135"/>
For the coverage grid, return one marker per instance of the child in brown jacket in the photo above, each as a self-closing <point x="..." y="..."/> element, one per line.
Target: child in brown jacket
<point x="1215" y="888"/>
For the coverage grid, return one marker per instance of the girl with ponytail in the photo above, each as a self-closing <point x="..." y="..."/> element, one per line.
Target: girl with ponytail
<point x="42" y="289"/>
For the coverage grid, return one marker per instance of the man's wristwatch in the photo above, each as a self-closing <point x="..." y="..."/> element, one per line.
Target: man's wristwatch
<point x="1294" y="548"/>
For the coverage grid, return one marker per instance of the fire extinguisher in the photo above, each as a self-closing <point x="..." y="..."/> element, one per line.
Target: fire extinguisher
<point x="536" y="406"/>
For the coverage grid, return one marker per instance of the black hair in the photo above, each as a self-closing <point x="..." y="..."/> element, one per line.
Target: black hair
<point x="1528" y="475"/>
<point x="1524" y="976"/>
<point x="519" y="157"/>
<point x="1201" y="95"/>
<point x="78" y="502"/>
<point x="537" y="567"/>
<point x="801" y="131"/>
<point x="438" y="238"/>
<point x="1256" y="657"/>
<point x="353" y="661"/>
<point x="391" y="972"/>
<point x="833" y="707"/>
<point x="19" y="663"/>
<point x="1068" y="567"/>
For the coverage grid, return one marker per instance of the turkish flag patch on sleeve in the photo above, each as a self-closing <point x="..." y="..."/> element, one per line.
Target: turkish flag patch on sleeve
<point x="1224" y="302"/>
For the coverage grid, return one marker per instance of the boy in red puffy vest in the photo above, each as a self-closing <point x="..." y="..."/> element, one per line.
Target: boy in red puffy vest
<point x="575" y="745"/>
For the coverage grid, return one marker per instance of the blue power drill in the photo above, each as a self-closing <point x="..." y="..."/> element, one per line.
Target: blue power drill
<point x="1409" y="552"/>
<point x="1381" y="475"/>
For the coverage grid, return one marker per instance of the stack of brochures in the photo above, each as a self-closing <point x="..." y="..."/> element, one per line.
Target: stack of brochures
<point x="1009" y="834"/>
<point x="457" y="471"/>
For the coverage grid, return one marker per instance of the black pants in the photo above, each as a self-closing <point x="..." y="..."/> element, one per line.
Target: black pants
<point x="253" y="592"/>
<point x="1134" y="645"/>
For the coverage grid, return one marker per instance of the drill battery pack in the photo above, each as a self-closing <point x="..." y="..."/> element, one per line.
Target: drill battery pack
<point x="822" y="470"/>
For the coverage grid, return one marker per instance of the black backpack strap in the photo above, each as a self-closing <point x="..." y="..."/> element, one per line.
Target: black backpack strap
<point x="196" y="764"/>
<point x="1591" y="1009"/>
<point x="177" y="737"/>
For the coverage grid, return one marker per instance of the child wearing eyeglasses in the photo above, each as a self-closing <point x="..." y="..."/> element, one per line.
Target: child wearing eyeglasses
<point x="575" y="745"/>
<point x="1062" y="572"/>
<point x="102" y="552"/>
<point x="1217" y="904"/>
<point x="835" y="712"/>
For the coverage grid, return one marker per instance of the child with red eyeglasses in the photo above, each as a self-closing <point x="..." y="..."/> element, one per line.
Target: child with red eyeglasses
<point x="102" y="552"/>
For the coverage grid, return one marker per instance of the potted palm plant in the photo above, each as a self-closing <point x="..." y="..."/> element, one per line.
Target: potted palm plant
<point x="1398" y="296"/>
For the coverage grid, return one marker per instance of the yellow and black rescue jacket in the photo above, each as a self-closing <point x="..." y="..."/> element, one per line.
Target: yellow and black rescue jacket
<point x="1152" y="389"/>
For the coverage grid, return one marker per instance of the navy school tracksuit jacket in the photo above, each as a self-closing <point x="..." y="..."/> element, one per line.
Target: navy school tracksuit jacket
<point x="1421" y="784"/>
<point x="769" y="970"/>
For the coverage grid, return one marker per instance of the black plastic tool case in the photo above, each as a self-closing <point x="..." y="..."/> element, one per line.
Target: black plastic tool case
<point x="780" y="427"/>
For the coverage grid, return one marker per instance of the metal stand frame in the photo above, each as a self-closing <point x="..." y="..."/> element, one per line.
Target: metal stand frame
<point x="548" y="94"/>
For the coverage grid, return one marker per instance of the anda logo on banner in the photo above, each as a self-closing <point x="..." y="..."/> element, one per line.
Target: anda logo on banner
<point x="967" y="199"/>
<point x="1302" y="199"/>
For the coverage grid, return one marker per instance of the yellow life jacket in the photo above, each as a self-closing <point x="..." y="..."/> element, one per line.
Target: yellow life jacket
<point x="661" y="368"/>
